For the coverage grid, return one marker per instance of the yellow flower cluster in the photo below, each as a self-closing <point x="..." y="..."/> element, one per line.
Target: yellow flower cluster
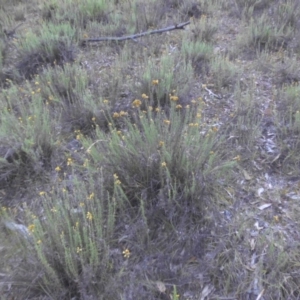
<point x="173" y="98"/>
<point x="31" y="228"/>
<point x="117" y="181"/>
<point x="89" y="216"/>
<point x="136" y="103"/>
<point x="120" y="114"/>
<point x="126" y="253"/>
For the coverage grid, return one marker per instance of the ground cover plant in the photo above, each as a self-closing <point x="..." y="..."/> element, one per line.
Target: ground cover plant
<point x="160" y="166"/>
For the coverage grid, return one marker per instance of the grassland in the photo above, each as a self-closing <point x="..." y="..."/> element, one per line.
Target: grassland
<point x="158" y="167"/>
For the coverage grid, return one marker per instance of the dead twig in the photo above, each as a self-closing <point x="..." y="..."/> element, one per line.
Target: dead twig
<point x="212" y="94"/>
<point x="10" y="33"/>
<point x="138" y="35"/>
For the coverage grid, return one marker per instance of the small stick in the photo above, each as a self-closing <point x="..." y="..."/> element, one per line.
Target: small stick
<point x="212" y="94"/>
<point x="138" y="35"/>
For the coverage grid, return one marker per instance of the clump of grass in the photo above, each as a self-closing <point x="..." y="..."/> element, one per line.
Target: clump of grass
<point x="72" y="244"/>
<point x="160" y="81"/>
<point x="80" y="14"/>
<point x="199" y="53"/>
<point x="263" y="35"/>
<point x="288" y="14"/>
<point x="203" y="30"/>
<point x="64" y="86"/>
<point x="282" y="67"/>
<point x="160" y="155"/>
<point x="27" y="155"/>
<point x="53" y="47"/>
<point x="65" y="91"/>
<point x="156" y="171"/>
<point x="244" y="125"/>
<point x="288" y="127"/>
<point x="266" y="34"/>
<point x="227" y="269"/>
<point x="247" y="9"/>
<point x="223" y="73"/>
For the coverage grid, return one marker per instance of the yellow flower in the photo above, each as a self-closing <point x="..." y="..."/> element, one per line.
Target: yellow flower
<point x="178" y="106"/>
<point x="105" y="101"/>
<point x="81" y="204"/>
<point x="36" y="83"/>
<point x="93" y="119"/>
<point x="237" y="158"/>
<point x="117" y="182"/>
<point x="163" y="164"/>
<point x="78" y="250"/>
<point x="69" y="161"/>
<point x="89" y="216"/>
<point x="155" y="81"/>
<point x="116" y="176"/>
<point x="161" y="143"/>
<point x="39" y="242"/>
<point x="193" y="101"/>
<point x="86" y="161"/>
<point x="116" y="115"/>
<point x="136" y="103"/>
<point x="126" y="253"/>
<point x="42" y="193"/>
<point x="167" y="122"/>
<point x="174" y="98"/>
<point x="157" y="109"/>
<point x="91" y="196"/>
<point x="57" y="169"/>
<point x="31" y="228"/>
<point x="123" y="113"/>
<point x="144" y="96"/>
<point x="53" y="209"/>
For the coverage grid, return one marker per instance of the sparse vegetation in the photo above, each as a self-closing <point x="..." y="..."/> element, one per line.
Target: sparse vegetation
<point x="164" y="167"/>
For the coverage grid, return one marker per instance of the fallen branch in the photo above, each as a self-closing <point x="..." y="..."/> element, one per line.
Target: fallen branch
<point x="138" y="35"/>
